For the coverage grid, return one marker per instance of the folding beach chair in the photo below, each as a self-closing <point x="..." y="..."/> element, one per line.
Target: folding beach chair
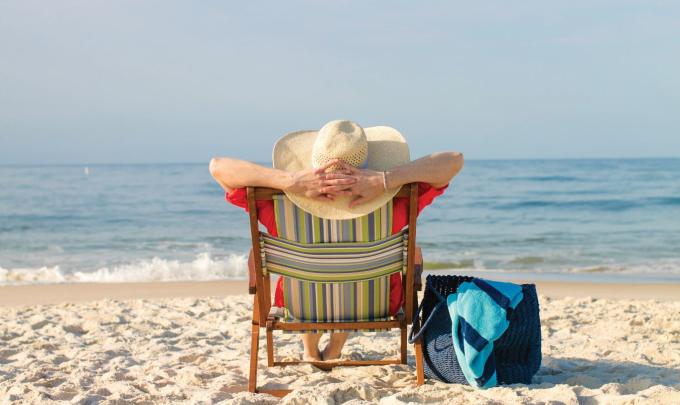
<point x="336" y="276"/>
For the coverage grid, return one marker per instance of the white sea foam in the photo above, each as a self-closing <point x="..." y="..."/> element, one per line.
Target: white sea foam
<point x="669" y="267"/>
<point x="203" y="267"/>
<point x="235" y="267"/>
<point x="31" y="275"/>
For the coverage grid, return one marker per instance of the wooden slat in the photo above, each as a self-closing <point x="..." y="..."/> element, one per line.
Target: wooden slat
<point x="404" y="345"/>
<point x="263" y="193"/>
<point x="266" y="284"/>
<point x="270" y="348"/>
<point x="275" y="393"/>
<point x="252" y="275"/>
<point x="420" y="371"/>
<point x="254" y="349"/>
<point x="409" y="282"/>
<point x="415" y="307"/>
<point x="277" y="325"/>
<point x="339" y="363"/>
<point x="403" y="192"/>
<point x="261" y="295"/>
<point x="418" y="271"/>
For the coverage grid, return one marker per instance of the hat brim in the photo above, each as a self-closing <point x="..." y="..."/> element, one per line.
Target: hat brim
<point x="387" y="149"/>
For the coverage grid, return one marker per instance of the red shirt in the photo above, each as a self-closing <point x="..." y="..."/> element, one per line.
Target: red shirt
<point x="400" y="207"/>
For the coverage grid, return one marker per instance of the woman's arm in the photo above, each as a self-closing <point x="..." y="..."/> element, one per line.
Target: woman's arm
<point x="436" y="169"/>
<point x="314" y="183"/>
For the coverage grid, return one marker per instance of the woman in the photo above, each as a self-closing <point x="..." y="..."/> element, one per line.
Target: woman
<point x="340" y="172"/>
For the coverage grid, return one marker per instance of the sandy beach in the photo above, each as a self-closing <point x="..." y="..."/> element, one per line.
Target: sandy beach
<point x="155" y="157"/>
<point x="189" y="343"/>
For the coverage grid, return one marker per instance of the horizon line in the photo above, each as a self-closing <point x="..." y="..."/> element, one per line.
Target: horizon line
<point x="269" y="162"/>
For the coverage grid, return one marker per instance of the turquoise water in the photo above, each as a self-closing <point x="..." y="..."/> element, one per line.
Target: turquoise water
<point x="572" y="218"/>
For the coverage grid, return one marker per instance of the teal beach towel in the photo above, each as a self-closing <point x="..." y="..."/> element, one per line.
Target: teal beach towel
<point x="479" y="312"/>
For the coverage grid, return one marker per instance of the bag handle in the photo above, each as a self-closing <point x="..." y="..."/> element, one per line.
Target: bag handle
<point x="423" y="327"/>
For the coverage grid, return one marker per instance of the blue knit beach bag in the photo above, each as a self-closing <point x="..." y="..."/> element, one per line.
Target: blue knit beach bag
<point x="517" y="352"/>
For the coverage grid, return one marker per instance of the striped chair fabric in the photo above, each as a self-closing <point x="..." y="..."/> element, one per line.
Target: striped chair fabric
<point x="334" y="270"/>
<point x="336" y="262"/>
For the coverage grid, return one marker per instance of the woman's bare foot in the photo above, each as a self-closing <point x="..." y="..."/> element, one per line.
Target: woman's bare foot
<point x="312" y="356"/>
<point x="333" y="349"/>
<point x="310" y="342"/>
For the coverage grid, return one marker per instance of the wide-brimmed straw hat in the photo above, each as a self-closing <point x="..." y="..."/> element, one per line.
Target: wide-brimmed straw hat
<point x="375" y="148"/>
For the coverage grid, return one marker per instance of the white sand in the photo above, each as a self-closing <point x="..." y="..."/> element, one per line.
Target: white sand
<point x="195" y="350"/>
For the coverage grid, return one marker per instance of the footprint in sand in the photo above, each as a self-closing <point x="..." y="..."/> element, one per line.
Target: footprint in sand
<point x="66" y="393"/>
<point x="192" y="358"/>
<point x="7" y="336"/>
<point x="124" y="375"/>
<point x="75" y="329"/>
<point x="6" y="354"/>
<point x="60" y="359"/>
<point x="40" y="324"/>
<point x="50" y="382"/>
<point x="166" y="334"/>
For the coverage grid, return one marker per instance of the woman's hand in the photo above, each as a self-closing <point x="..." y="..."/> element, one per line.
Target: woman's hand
<point x="368" y="184"/>
<point x="319" y="185"/>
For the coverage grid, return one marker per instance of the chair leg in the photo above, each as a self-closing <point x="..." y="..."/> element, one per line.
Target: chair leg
<point x="270" y="348"/>
<point x="420" y="371"/>
<point x="404" y="345"/>
<point x="254" y="349"/>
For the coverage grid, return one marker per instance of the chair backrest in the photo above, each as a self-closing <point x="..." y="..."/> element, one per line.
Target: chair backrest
<point x="340" y="262"/>
<point x="333" y="270"/>
<point x="294" y="224"/>
<point x="324" y="288"/>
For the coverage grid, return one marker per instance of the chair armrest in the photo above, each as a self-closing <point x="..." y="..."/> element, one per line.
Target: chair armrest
<point x="252" y="285"/>
<point x="418" y="269"/>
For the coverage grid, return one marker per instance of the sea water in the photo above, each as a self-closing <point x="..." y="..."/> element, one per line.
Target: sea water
<point x="594" y="219"/>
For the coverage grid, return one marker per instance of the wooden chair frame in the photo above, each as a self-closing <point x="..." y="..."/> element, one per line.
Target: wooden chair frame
<point x="260" y="286"/>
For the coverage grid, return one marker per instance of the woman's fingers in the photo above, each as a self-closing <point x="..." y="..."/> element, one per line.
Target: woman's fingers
<point x="339" y="181"/>
<point x="338" y="175"/>
<point x="333" y="189"/>
<point x="324" y="197"/>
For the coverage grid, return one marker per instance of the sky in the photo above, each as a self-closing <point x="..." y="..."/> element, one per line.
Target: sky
<point x="183" y="81"/>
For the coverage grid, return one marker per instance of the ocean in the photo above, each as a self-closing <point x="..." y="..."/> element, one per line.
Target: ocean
<point x="599" y="219"/>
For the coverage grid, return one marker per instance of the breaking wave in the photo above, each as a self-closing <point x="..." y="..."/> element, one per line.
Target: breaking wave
<point x="203" y="267"/>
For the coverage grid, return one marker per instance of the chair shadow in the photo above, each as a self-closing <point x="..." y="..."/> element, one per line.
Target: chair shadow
<point x="594" y="374"/>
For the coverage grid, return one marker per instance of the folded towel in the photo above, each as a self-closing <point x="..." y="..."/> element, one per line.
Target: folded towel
<point x="479" y="312"/>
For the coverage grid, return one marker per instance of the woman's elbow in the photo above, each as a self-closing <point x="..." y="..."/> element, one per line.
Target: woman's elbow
<point x="219" y="171"/>
<point x="220" y="168"/>
<point x="213" y="166"/>
<point x="458" y="161"/>
<point x="454" y="162"/>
